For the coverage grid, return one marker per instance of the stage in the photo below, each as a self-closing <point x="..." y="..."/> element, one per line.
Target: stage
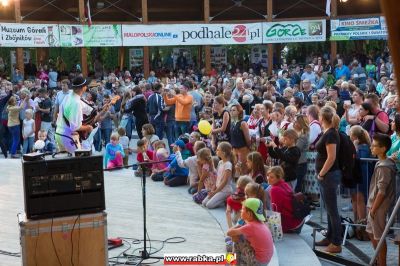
<point x="170" y="213"/>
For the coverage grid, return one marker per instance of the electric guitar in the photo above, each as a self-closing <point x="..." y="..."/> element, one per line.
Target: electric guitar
<point x="93" y="117"/>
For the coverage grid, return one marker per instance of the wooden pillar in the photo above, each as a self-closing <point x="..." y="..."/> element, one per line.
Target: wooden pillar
<point x="146" y="50"/>
<point x="391" y="9"/>
<point x="19" y="54"/>
<point x="121" y="56"/>
<point x="270" y="45"/>
<point x="199" y="56"/>
<point x="207" y="48"/>
<point x="84" y="61"/>
<point x="333" y="43"/>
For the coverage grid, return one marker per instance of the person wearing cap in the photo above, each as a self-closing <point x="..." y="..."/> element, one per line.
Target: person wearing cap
<point x="183" y="106"/>
<point x="69" y="120"/>
<point x="176" y="175"/>
<point x="254" y="231"/>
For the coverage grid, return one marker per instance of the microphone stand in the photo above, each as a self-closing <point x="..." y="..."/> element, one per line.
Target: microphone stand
<point x="144" y="254"/>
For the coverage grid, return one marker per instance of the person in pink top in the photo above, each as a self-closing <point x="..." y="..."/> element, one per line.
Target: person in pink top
<point x="256" y="232"/>
<point x="281" y="195"/>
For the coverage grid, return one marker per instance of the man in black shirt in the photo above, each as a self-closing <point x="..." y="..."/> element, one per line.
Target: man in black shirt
<point x="45" y="112"/>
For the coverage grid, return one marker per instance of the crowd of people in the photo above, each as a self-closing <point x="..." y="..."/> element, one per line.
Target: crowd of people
<point x="271" y="136"/>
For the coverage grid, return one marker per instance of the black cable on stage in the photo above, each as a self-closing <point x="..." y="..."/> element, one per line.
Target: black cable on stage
<point x="128" y="256"/>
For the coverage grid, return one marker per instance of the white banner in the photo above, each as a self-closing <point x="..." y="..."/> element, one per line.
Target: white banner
<point x="191" y="34"/>
<point x="294" y="31"/>
<point x="71" y="35"/>
<point x="28" y="35"/>
<point x="359" y="29"/>
<point x="219" y="56"/>
<point x="102" y="35"/>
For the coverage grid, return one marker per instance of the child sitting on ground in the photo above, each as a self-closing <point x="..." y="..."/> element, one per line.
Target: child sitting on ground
<point x="192" y="165"/>
<point x="256" y="164"/>
<point x="223" y="189"/>
<point x="42" y="139"/>
<point x="176" y="175"/>
<point x="114" y="153"/>
<point x="207" y="175"/>
<point x="234" y="201"/>
<point x="381" y="193"/>
<point x="158" y="169"/>
<point x="254" y="233"/>
<point x="124" y="141"/>
<point x="193" y="137"/>
<point x="143" y="155"/>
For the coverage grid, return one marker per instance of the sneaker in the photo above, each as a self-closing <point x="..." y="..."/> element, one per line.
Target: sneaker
<point x="333" y="249"/>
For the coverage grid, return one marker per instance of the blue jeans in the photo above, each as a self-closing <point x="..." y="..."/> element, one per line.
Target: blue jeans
<point x="181" y="128"/>
<point x="301" y="171"/>
<point x="159" y="126"/>
<point x="97" y="141"/>
<point x="105" y="135"/>
<point x="28" y="144"/>
<point x="170" y="129"/>
<point x="127" y="123"/>
<point x="15" y="132"/>
<point x="328" y="188"/>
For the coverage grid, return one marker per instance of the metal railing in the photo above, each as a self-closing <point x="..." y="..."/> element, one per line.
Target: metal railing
<point x="392" y="217"/>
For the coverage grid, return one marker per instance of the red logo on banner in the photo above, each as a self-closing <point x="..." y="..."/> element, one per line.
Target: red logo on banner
<point x="239" y="33"/>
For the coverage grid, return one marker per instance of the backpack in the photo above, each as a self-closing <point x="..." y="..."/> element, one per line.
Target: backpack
<point x="347" y="156"/>
<point x="301" y="205"/>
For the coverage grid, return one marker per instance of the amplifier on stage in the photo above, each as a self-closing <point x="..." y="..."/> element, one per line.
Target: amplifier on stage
<point x="73" y="240"/>
<point x="63" y="186"/>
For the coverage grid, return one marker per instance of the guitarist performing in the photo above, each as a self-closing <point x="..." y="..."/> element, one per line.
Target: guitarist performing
<point x="69" y="120"/>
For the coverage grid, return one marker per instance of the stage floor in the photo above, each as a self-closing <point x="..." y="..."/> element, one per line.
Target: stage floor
<point x="170" y="213"/>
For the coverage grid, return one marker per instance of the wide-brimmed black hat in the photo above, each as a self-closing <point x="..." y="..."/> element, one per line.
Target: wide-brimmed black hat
<point x="79" y="82"/>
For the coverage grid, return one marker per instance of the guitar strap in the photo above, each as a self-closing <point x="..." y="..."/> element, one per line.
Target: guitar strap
<point x="73" y="141"/>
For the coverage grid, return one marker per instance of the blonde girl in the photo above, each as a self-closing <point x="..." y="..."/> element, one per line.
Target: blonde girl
<point x="254" y="190"/>
<point x="206" y="170"/>
<point x="225" y="172"/>
<point x="234" y="201"/>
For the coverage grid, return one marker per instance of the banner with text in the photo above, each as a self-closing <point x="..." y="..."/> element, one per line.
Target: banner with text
<point x="373" y="28"/>
<point x="191" y="34"/>
<point x="71" y="35"/>
<point x="102" y="35"/>
<point x="28" y="35"/>
<point x="294" y="31"/>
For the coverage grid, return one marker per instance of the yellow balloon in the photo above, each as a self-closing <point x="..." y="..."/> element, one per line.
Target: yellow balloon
<point x="204" y="127"/>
